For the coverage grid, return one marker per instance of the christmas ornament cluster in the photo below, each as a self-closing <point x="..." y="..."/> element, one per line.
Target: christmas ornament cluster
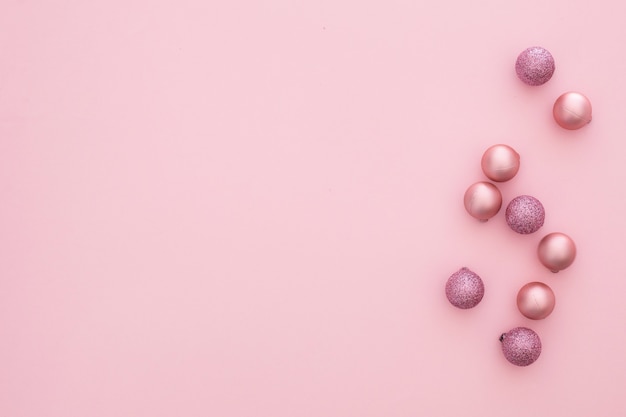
<point x="524" y="215"/>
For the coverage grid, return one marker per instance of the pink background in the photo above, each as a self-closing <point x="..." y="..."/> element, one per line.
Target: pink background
<point x="251" y="208"/>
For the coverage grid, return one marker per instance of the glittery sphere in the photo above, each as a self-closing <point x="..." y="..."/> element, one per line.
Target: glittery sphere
<point x="535" y="66"/>
<point x="464" y="289"/>
<point x="536" y="300"/>
<point x="521" y="346"/>
<point x="572" y="110"/>
<point x="482" y="200"/>
<point x="525" y="214"/>
<point x="556" y="251"/>
<point x="500" y="163"/>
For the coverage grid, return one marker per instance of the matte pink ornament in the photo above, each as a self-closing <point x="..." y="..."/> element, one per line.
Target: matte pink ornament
<point x="535" y="66"/>
<point x="556" y="251"/>
<point x="572" y="110"/>
<point x="521" y="346"/>
<point x="482" y="200"/>
<point x="536" y="300"/>
<point x="465" y="289"/>
<point x="500" y="163"/>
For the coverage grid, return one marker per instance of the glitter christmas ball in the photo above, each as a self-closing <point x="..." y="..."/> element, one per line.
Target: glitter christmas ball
<point x="536" y="300"/>
<point x="482" y="200"/>
<point x="525" y="214"/>
<point x="535" y="66"/>
<point x="464" y="289"/>
<point x="521" y="346"/>
<point x="500" y="163"/>
<point x="556" y="251"/>
<point x="572" y="110"/>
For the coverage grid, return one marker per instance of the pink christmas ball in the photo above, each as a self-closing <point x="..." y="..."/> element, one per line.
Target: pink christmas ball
<point x="521" y="346"/>
<point x="535" y="66"/>
<point x="465" y="288"/>
<point x="572" y="110"/>
<point x="525" y="214"/>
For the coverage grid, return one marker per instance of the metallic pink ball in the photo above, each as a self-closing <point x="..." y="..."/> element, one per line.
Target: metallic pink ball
<point x="482" y="200"/>
<point x="536" y="300"/>
<point x="535" y="66"/>
<point x="500" y="163"/>
<point x="525" y="214"/>
<point x="572" y="110"/>
<point x="464" y="289"/>
<point x="556" y="251"/>
<point x="521" y="346"/>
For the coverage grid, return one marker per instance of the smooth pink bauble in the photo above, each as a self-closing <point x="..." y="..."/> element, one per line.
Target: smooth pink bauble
<point x="572" y="110"/>
<point x="536" y="300"/>
<point x="500" y="163"/>
<point x="482" y="200"/>
<point x="556" y="251"/>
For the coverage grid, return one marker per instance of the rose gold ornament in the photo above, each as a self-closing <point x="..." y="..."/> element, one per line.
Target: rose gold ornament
<point x="482" y="200"/>
<point x="572" y="110"/>
<point x="535" y="300"/>
<point x="556" y="251"/>
<point x="500" y="163"/>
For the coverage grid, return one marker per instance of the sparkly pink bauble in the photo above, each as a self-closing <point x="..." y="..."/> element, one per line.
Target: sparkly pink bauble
<point x="525" y="214"/>
<point x="482" y="200"/>
<point x="535" y="66"/>
<point x="556" y="251"/>
<point x="521" y="346"/>
<point x="536" y="300"/>
<point x="465" y="289"/>
<point x="572" y="110"/>
<point x="500" y="163"/>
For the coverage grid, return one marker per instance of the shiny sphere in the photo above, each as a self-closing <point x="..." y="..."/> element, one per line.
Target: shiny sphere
<point x="535" y="66"/>
<point x="482" y="200"/>
<point x="556" y="251"/>
<point x="525" y="214"/>
<point x="536" y="300"/>
<point x="521" y="346"/>
<point x="500" y="163"/>
<point x="572" y="110"/>
<point x="464" y="289"/>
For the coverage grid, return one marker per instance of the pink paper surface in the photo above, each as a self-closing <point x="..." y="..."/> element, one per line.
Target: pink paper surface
<point x="250" y="209"/>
